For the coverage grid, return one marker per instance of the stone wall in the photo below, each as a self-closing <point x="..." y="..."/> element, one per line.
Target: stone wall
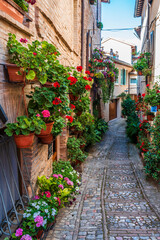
<point x="58" y="22"/>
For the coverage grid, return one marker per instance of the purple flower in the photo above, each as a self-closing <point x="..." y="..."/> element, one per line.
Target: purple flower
<point x="19" y="232"/>
<point x="23" y="40"/>
<point x="61" y="186"/>
<point x="36" y="197"/>
<point x="26" y="237"/>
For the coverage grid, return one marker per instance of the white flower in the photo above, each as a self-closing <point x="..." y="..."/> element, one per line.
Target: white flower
<point x="37" y="207"/>
<point x="77" y="188"/>
<point x="78" y="174"/>
<point x="36" y="214"/>
<point x="34" y="204"/>
<point x="44" y="222"/>
<point x="74" y="171"/>
<point x="78" y="181"/>
<point x="71" y="173"/>
<point x="46" y="210"/>
<point x="25" y="215"/>
<point x="28" y="210"/>
<point x="62" y="170"/>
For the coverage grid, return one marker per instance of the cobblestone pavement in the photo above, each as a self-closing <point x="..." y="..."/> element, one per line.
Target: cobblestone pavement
<point x="113" y="204"/>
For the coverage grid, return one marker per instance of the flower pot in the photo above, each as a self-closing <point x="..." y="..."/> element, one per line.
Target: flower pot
<point x="11" y="11"/>
<point x="46" y="139"/>
<point x="48" y="85"/>
<point x="39" y="234"/>
<point x="92" y="2"/>
<point x="13" y="73"/>
<point x="150" y="117"/>
<point x="24" y="141"/>
<point x="79" y="113"/>
<point x="91" y="74"/>
<point x="72" y="97"/>
<point x="139" y="73"/>
<point x="47" y="131"/>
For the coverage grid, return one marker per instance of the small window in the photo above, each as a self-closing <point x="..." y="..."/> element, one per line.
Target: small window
<point x="133" y="81"/>
<point x="117" y="80"/>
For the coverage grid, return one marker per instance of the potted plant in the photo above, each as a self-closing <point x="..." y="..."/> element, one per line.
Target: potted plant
<point x="100" y="25"/>
<point x="82" y="105"/>
<point x="150" y="115"/>
<point x="143" y="64"/>
<point x="24" y="129"/>
<point x="34" y="59"/>
<point x="92" y="2"/>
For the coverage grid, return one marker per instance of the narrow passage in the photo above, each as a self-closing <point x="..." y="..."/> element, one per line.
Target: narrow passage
<point x="111" y="205"/>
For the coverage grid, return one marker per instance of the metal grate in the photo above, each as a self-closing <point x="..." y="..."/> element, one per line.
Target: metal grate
<point x="14" y="196"/>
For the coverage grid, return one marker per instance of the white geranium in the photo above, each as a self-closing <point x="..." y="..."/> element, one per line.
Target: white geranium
<point x="36" y="214"/>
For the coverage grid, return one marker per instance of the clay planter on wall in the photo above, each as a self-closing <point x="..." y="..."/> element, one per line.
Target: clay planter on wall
<point x="92" y="2"/>
<point x="72" y="97"/>
<point x="24" y="141"/>
<point x="150" y="117"/>
<point x="11" y="11"/>
<point x="13" y="73"/>
<point x="47" y="131"/>
<point x="47" y="139"/>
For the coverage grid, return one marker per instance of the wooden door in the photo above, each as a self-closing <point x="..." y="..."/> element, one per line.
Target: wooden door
<point x="113" y="109"/>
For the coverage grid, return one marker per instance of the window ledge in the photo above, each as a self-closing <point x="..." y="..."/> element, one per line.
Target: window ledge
<point x="15" y="23"/>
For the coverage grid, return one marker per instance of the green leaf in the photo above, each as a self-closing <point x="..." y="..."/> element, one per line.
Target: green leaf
<point x="31" y="75"/>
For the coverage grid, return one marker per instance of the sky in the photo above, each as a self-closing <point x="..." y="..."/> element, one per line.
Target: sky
<point x="120" y="14"/>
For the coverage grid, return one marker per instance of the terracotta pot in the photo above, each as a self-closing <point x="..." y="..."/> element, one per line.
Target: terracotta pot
<point x="150" y="117"/>
<point x="91" y="74"/>
<point x="24" y="141"/>
<point x="92" y="2"/>
<point x="11" y="11"/>
<point x="79" y="113"/>
<point x="48" y="85"/>
<point x="13" y="73"/>
<point x="39" y="234"/>
<point x="47" y="131"/>
<point x="47" y="139"/>
<point x="72" y="97"/>
<point x="139" y="73"/>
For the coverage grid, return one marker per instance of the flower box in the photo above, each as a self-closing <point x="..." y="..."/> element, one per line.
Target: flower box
<point x="24" y="141"/>
<point x="12" y="11"/>
<point x="14" y="77"/>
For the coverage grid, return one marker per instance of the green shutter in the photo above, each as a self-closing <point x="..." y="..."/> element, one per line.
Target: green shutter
<point x="124" y="77"/>
<point x="121" y="76"/>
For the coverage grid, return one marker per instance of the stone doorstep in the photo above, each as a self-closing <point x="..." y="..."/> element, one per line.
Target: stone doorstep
<point x="134" y="231"/>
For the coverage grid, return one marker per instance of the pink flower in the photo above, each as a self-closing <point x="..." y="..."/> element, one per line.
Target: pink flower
<point x="23" y="40"/>
<point x="48" y="194"/>
<point x="55" y="175"/>
<point x="66" y="179"/>
<point x="61" y="186"/>
<point x="59" y="201"/>
<point x="34" y="53"/>
<point x="70" y="183"/>
<point x="36" y="197"/>
<point x="38" y="115"/>
<point x="39" y="221"/>
<point x="19" y="232"/>
<point x="59" y="175"/>
<point x="46" y="113"/>
<point x="26" y="237"/>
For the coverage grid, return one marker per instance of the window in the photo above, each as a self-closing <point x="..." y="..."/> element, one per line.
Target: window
<point x="117" y="80"/>
<point x="133" y="81"/>
<point x="123" y="77"/>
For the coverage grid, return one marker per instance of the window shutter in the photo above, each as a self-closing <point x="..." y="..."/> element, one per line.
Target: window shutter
<point x="124" y="82"/>
<point x="121" y="76"/>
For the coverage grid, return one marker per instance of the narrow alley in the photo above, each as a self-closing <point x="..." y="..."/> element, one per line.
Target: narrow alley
<point x="116" y="203"/>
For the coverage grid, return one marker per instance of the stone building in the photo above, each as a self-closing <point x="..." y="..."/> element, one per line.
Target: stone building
<point x="71" y="26"/>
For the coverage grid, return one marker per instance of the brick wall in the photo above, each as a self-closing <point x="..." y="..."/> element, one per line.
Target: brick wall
<point x="58" y="22"/>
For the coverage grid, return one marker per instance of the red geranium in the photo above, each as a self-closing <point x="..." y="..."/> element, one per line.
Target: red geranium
<point x="143" y="94"/>
<point x="48" y="194"/>
<point x="79" y="68"/>
<point x="70" y="118"/>
<point x="56" y="84"/>
<point x="87" y="72"/>
<point x="87" y="87"/>
<point x="72" y="79"/>
<point x="147" y="85"/>
<point x="56" y="101"/>
<point x="158" y="91"/>
<point x="34" y="53"/>
<point x="55" y="53"/>
<point x="73" y="106"/>
<point x="90" y="79"/>
<point x="85" y="78"/>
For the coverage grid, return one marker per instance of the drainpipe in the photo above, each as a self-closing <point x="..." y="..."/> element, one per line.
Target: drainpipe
<point x="82" y="33"/>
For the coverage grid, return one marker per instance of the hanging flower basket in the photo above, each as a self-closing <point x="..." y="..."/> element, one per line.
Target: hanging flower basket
<point x="72" y="97"/>
<point x="13" y="73"/>
<point x="46" y="139"/>
<point x="24" y="141"/>
<point x="92" y="2"/>
<point x="48" y="130"/>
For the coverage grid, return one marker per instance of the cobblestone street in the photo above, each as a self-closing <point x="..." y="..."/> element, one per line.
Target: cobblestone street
<point x="116" y="201"/>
